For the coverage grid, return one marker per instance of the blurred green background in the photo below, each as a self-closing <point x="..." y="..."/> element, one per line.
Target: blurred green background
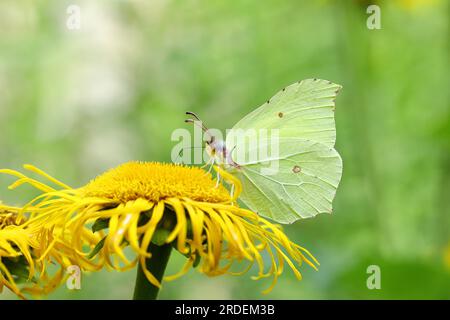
<point x="77" y="102"/>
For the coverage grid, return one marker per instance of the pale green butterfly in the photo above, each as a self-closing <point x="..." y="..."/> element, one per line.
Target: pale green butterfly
<point x="308" y="167"/>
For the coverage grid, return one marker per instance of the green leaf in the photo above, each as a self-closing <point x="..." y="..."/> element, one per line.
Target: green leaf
<point x="18" y="267"/>
<point x="97" y="248"/>
<point x="160" y="236"/>
<point x="196" y="261"/>
<point x="100" y="224"/>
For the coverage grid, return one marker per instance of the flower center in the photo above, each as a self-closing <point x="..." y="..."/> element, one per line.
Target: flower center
<point x="155" y="181"/>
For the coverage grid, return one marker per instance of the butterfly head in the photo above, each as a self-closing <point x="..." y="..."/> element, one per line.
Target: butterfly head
<point x="215" y="148"/>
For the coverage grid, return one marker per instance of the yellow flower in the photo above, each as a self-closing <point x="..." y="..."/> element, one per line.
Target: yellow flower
<point x="140" y="203"/>
<point x="15" y="243"/>
<point x="28" y="247"/>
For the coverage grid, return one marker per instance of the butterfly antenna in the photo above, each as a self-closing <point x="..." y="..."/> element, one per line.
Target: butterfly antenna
<point x="199" y="123"/>
<point x="196" y="122"/>
<point x="190" y="113"/>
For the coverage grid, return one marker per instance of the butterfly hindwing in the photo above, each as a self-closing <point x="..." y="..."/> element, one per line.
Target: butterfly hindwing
<point x="309" y="168"/>
<point x="303" y="184"/>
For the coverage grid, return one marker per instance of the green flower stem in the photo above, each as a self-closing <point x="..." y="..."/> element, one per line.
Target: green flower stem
<point x="143" y="289"/>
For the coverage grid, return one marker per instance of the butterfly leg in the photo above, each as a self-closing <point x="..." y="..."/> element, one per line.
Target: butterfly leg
<point x="218" y="180"/>
<point x="210" y="165"/>
<point x="232" y="190"/>
<point x="210" y="159"/>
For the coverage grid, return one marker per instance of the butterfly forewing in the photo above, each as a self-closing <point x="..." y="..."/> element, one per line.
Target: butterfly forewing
<point x="302" y="110"/>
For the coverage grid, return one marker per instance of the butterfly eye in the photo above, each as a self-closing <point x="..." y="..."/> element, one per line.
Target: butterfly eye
<point x="296" y="169"/>
<point x="280" y="114"/>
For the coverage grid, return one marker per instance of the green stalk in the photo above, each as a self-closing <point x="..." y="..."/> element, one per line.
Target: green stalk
<point x="143" y="289"/>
